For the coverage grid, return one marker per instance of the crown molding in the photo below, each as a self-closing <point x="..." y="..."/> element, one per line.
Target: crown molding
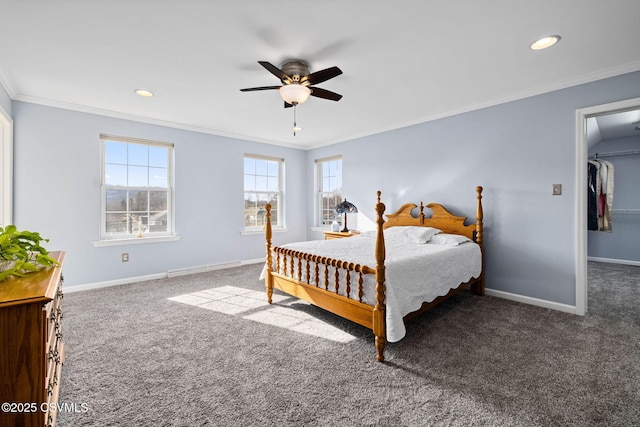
<point x="147" y="120"/>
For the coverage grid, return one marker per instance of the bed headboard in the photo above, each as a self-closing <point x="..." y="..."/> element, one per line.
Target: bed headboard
<point x="441" y="219"/>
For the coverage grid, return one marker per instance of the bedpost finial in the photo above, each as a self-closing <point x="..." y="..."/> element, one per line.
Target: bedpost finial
<point x="266" y="225"/>
<point x="380" y="207"/>
<point x="479" y="189"/>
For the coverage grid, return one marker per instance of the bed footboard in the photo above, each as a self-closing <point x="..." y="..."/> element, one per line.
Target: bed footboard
<point x="318" y="279"/>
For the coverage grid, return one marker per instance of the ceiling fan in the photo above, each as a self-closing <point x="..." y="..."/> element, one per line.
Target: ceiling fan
<point x="298" y="83"/>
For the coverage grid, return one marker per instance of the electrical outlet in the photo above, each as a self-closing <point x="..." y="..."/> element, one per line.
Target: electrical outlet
<point x="125" y="257"/>
<point x="557" y="189"/>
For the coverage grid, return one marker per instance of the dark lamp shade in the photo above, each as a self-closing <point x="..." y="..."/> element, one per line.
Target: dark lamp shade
<point x="345" y="208"/>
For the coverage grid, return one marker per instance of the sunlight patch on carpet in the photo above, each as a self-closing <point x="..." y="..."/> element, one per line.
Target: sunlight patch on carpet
<point x="252" y="305"/>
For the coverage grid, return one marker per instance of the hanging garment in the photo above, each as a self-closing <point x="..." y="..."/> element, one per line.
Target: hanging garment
<point x="600" y="175"/>
<point x="592" y="196"/>
<point x="602" y="193"/>
<point x="606" y="196"/>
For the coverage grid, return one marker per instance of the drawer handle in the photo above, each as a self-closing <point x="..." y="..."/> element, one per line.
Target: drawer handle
<point x="50" y="389"/>
<point x="59" y="335"/>
<point x="60" y="314"/>
<point x="55" y="356"/>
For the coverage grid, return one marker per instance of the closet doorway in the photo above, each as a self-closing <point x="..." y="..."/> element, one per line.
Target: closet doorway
<point x="6" y="169"/>
<point x="587" y="138"/>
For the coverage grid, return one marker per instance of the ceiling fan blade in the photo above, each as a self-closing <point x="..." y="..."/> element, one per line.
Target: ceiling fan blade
<point x="250" y="89"/>
<point x="275" y="71"/>
<point x="325" y="94"/>
<point x="322" y="75"/>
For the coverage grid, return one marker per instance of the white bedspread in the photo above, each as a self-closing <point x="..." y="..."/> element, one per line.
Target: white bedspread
<point x="415" y="272"/>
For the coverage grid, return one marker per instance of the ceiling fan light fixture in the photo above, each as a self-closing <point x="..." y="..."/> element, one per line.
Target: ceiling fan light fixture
<point x="544" y="42"/>
<point x="294" y="93"/>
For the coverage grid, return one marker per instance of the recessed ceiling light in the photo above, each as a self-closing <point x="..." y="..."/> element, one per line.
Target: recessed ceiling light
<point x="544" y="42"/>
<point x="143" y="92"/>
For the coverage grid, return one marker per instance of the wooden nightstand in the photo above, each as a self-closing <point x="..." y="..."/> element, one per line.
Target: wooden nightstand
<point x="328" y="235"/>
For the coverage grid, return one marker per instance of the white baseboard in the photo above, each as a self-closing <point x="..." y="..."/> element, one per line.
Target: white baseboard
<point x="169" y="273"/>
<point x="202" y="268"/>
<point x="613" y="261"/>
<point x="108" y="283"/>
<point x="532" y="301"/>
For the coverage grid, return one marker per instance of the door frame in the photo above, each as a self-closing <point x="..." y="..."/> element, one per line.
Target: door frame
<point x="582" y="154"/>
<point x="6" y="168"/>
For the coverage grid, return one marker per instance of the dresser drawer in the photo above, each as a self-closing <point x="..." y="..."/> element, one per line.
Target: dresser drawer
<point x="54" y="357"/>
<point x="31" y="344"/>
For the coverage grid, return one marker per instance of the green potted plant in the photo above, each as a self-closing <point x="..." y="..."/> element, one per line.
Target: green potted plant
<point x="21" y="252"/>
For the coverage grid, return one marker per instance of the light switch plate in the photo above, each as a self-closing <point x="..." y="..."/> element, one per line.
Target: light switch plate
<point x="557" y="189"/>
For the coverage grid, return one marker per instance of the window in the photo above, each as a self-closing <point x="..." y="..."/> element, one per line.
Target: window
<point x="137" y="188"/>
<point x="329" y="189"/>
<point x="263" y="178"/>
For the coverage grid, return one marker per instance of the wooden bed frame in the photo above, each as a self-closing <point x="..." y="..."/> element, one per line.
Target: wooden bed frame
<point x="295" y="276"/>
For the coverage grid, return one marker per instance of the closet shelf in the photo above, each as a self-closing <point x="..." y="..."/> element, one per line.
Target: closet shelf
<point x="626" y="211"/>
<point x="614" y="153"/>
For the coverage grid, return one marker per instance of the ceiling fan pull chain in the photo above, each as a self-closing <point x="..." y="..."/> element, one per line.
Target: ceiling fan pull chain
<point x="296" y="128"/>
<point x="295" y="125"/>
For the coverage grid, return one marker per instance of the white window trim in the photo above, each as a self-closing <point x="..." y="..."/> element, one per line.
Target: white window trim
<point x="170" y="235"/>
<point x="317" y="199"/>
<point x="281" y="193"/>
<point x="135" y="241"/>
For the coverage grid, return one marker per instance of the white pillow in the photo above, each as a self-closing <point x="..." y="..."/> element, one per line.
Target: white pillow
<point x="449" y="239"/>
<point x="411" y="233"/>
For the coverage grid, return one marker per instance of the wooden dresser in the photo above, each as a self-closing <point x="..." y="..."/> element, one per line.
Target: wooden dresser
<point x="31" y="346"/>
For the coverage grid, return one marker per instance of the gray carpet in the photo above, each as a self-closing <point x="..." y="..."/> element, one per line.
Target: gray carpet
<point x="135" y="358"/>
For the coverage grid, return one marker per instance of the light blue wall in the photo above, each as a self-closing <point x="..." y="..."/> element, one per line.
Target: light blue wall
<point x="516" y="151"/>
<point x="623" y="242"/>
<point x="57" y="192"/>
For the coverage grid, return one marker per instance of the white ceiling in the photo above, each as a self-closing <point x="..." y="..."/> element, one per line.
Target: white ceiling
<point x="404" y="62"/>
<point x="619" y="125"/>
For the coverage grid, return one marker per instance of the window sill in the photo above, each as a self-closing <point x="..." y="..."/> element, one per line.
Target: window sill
<point x="134" y="241"/>
<point x="273" y="230"/>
